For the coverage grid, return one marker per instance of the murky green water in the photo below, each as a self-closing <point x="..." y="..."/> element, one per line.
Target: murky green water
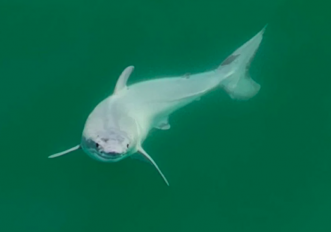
<point x="262" y="165"/>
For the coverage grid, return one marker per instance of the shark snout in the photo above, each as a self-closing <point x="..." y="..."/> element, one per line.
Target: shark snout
<point x="113" y="149"/>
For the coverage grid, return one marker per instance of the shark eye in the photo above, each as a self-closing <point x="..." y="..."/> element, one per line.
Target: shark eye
<point x="97" y="145"/>
<point x="127" y="145"/>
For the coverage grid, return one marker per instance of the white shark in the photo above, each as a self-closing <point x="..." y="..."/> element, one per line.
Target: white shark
<point x="118" y="126"/>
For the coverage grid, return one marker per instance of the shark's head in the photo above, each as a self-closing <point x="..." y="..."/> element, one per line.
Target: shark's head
<point x="111" y="133"/>
<point x="111" y="146"/>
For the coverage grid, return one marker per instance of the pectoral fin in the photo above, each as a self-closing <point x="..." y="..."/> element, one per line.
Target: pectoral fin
<point x="140" y="157"/>
<point x="144" y="153"/>
<point x="65" y="152"/>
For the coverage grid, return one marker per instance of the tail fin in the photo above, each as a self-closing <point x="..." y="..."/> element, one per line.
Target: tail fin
<point x="239" y="84"/>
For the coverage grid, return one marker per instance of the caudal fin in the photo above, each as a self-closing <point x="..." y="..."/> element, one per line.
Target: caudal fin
<point x="239" y="85"/>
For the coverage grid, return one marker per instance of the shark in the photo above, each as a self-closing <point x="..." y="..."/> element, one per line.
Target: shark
<point x="118" y="126"/>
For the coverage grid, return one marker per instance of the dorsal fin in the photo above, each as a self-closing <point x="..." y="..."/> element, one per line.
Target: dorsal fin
<point x="122" y="80"/>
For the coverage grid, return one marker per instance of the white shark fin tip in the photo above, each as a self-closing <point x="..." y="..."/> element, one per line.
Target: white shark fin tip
<point x="64" y="152"/>
<point x="144" y="153"/>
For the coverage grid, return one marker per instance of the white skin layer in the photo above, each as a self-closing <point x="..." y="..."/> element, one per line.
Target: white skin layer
<point x="119" y="125"/>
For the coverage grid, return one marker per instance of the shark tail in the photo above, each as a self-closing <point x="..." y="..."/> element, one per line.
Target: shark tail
<point x="238" y="83"/>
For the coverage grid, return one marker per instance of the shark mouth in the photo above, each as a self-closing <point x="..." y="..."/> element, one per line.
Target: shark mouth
<point x="110" y="155"/>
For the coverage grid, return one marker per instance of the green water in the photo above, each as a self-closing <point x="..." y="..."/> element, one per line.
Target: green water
<point x="257" y="166"/>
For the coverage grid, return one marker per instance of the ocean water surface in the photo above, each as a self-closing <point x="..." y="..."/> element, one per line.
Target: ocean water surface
<point x="254" y="166"/>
